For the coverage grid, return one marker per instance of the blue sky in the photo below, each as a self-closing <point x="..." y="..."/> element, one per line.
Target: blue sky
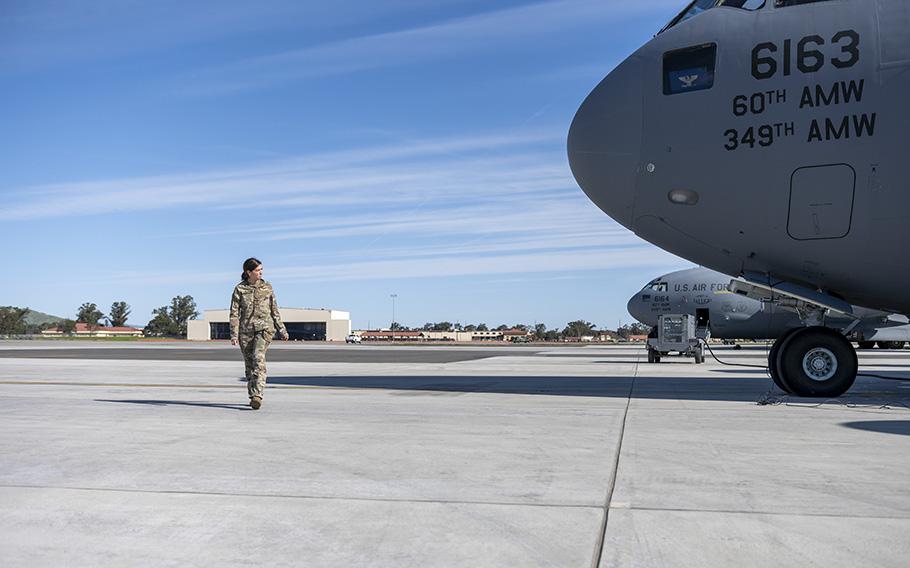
<point x="359" y="149"/>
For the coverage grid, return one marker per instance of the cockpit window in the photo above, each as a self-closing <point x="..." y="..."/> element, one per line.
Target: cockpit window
<point x="699" y="6"/>
<point x="657" y="286"/>
<point x="690" y="69"/>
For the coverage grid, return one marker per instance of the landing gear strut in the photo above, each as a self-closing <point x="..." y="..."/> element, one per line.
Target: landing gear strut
<point x="813" y="362"/>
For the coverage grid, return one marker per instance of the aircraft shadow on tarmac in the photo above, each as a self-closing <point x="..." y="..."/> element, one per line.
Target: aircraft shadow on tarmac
<point x="179" y="403"/>
<point x="899" y="427"/>
<point x="738" y="389"/>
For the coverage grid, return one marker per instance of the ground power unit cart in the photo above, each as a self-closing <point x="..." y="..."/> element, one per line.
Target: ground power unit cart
<point x="677" y="333"/>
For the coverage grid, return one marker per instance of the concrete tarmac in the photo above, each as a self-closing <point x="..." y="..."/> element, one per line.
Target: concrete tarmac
<point x="525" y="456"/>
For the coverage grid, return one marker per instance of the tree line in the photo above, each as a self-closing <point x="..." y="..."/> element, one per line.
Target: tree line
<point x="167" y="321"/>
<point x="540" y="332"/>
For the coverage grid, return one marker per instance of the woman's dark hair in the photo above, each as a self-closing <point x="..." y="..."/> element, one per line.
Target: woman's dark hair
<point x="249" y="264"/>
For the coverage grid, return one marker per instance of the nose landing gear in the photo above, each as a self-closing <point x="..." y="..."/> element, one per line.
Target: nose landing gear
<point x="813" y="362"/>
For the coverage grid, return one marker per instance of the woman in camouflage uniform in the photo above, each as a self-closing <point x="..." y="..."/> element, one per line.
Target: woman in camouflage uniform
<point x="254" y="321"/>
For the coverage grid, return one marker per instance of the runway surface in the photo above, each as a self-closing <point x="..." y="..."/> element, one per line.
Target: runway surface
<point x="118" y="454"/>
<point x="276" y="354"/>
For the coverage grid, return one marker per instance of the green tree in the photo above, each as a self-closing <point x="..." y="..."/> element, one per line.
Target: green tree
<point x="183" y="309"/>
<point x="12" y="320"/>
<point x="67" y="327"/>
<point x="470" y="327"/>
<point x="540" y="331"/>
<point x="578" y="328"/>
<point x="161" y="324"/>
<point x="482" y="327"/>
<point x="89" y="314"/>
<point x="397" y="327"/>
<point x="171" y="321"/>
<point x="442" y="326"/>
<point x="119" y="313"/>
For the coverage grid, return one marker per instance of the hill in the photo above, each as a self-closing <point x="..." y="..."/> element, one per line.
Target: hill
<point x="38" y="318"/>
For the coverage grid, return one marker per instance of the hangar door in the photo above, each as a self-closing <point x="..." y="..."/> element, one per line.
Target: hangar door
<point x="306" y="331"/>
<point x="821" y="202"/>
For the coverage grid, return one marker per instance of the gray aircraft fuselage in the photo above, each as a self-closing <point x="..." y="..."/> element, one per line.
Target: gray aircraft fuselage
<point x="700" y="291"/>
<point x="706" y="293"/>
<point x="768" y="141"/>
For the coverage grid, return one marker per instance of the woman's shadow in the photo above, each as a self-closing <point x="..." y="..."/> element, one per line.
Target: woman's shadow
<point x="180" y="403"/>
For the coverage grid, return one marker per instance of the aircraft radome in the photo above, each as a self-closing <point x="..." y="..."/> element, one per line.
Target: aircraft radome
<point x="767" y="140"/>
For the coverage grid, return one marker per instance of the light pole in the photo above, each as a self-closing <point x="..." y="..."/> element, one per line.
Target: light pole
<point x="393" y="296"/>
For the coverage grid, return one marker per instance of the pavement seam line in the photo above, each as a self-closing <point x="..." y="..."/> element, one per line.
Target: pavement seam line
<point x="765" y="513"/>
<point x="601" y="537"/>
<point x="301" y="497"/>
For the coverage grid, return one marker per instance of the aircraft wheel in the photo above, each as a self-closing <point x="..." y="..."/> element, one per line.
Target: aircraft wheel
<point x="773" y="363"/>
<point x="817" y="362"/>
<point x="699" y="355"/>
<point x="866" y="344"/>
<point x="653" y="357"/>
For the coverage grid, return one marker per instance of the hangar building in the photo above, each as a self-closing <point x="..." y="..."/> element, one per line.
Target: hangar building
<point x="303" y="324"/>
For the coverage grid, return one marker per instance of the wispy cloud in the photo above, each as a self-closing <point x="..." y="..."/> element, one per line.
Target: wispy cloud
<point x="562" y="262"/>
<point x="482" y="205"/>
<point x="503" y="29"/>
<point x="396" y="173"/>
<point x="41" y="33"/>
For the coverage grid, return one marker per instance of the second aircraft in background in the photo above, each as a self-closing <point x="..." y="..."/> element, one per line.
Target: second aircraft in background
<point x="705" y="294"/>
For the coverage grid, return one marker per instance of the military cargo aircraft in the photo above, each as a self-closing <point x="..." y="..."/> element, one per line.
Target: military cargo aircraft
<point x="705" y="295"/>
<point x="765" y="140"/>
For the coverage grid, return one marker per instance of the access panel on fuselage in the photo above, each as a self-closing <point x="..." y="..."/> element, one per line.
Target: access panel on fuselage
<point x="821" y="202"/>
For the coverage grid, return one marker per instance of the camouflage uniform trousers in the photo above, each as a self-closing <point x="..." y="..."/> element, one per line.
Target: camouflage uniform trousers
<point x="253" y="346"/>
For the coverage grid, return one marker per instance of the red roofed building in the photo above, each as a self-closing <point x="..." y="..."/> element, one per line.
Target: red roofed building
<point x="517" y="335"/>
<point x="84" y="330"/>
<point x="397" y="335"/>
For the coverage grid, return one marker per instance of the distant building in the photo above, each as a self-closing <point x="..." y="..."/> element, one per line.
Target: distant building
<point x="85" y="330"/>
<point x="516" y="335"/>
<point x="389" y="335"/>
<point x="513" y="335"/>
<point x="303" y="324"/>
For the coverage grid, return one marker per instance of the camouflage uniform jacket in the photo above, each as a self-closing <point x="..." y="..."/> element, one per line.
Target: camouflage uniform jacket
<point x="254" y="308"/>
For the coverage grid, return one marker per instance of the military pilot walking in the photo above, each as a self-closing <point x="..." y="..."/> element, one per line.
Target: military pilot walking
<point x="254" y="321"/>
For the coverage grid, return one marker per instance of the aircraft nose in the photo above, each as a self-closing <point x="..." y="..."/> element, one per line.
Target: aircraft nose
<point x="635" y="308"/>
<point x="604" y="141"/>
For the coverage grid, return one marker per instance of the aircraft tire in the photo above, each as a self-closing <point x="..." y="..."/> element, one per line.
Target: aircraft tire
<point x="773" y="362"/>
<point x="652" y="356"/>
<point x="817" y="362"/>
<point x="866" y="344"/>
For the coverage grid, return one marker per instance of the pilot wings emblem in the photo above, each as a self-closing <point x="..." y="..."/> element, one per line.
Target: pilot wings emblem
<point x="688" y="80"/>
